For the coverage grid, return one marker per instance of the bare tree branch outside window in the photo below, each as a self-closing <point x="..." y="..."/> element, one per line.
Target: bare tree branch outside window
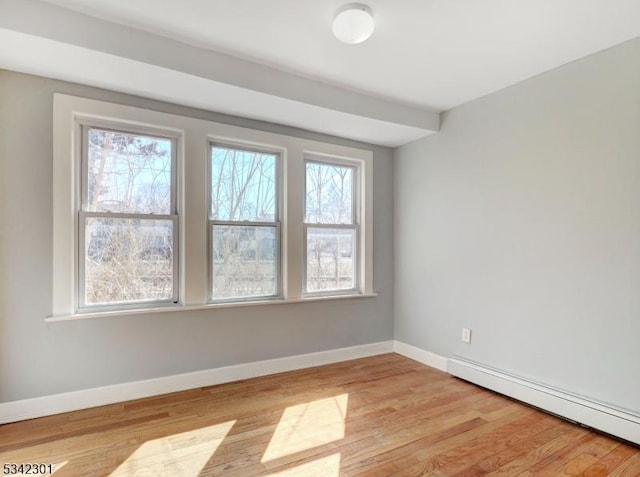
<point x="243" y="223"/>
<point x="330" y="227"/>
<point x="126" y="218"/>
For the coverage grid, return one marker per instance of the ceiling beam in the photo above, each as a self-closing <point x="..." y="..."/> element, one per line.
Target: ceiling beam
<point x="47" y="40"/>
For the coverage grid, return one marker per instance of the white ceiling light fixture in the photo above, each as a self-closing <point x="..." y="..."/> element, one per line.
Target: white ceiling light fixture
<point x="353" y="23"/>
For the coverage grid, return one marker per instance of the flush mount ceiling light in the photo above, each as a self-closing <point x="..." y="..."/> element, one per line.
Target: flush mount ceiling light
<point x="353" y="23"/>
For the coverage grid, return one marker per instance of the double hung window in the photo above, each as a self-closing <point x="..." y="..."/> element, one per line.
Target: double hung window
<point x="244" y="227"/>
<point x="128" y="222"/>
<point x="331" y="227"/>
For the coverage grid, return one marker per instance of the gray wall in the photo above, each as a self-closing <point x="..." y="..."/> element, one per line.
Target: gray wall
<point x="38" y="359"/>
<point x="521" y="220"/>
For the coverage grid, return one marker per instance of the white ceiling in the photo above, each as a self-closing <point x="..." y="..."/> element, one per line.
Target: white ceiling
<point x="277" y="60"/>
<point x="429" y="53"/>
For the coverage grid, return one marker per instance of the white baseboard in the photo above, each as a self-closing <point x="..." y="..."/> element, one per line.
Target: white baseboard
<point x="618" y="422"/>
<point x="420" y="355"/>
<point x="607" y="418"/>
<point x="75" y="400"/>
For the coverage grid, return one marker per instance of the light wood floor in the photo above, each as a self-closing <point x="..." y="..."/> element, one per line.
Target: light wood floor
<point x="379" y="416"/>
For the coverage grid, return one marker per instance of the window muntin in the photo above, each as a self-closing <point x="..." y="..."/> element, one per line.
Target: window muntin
<point x="330" y="227"/>
<point x="128" y="219"/>
<point x="244" y="227"/>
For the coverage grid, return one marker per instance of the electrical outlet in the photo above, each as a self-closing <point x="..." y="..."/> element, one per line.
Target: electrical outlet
<point x="466" y="335"/>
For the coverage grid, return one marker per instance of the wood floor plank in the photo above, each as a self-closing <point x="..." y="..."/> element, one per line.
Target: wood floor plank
<point x="377" y="417"/>
<point x="611" y="461"/>
<point x="513" y="449"/>
<point x="539" y="451"/>
<point x="576" y="457"/>
<point x="629" y="468"/>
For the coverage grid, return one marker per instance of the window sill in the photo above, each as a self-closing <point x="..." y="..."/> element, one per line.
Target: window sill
<point x="208" y="306"/>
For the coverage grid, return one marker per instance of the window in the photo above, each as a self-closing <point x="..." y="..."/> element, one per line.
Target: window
<point x="244" y="231"/>
<point x="128" y="221"/>
<point x="331" y="227"/>
<point x="157" y="212"/>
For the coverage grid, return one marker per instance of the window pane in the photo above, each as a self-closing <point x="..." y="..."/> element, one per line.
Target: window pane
<point x="244" y="261"/>
<point x="243" y="185"/>
<point x="128" y="173"/>
<point x="330" y="259"/>
<point x="329" y="194"/>
<point x="128" y="260"/>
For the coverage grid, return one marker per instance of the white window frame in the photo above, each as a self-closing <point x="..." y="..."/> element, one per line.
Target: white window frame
<point x="193" y="137"/>
<point x="275" y="224"/>
<point x="83" y="125"/>
<point x="354" y="225"/>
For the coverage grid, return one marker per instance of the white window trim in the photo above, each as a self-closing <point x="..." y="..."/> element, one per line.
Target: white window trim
<point x="195" y="136"/>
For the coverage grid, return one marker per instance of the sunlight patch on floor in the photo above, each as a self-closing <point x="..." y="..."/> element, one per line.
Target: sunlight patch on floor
<point x="308" y="425"/>
<point x="325" y="467"/>
<point x="183" y="454"/>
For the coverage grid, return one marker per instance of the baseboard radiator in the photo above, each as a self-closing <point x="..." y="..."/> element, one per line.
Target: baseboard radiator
<point x="604" y="417"/>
